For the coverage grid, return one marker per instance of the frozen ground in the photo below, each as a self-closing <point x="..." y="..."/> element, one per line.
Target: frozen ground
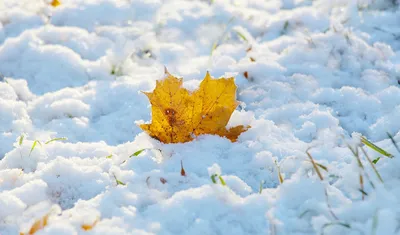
<point x="320" y="73"/>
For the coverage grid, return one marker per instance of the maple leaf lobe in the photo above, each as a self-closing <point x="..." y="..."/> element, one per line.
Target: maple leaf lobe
<point x="179" y="115"/>
<point x="55" y="3"/>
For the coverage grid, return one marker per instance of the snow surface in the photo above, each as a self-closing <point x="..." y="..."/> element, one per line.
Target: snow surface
<point x="320" y="74"/>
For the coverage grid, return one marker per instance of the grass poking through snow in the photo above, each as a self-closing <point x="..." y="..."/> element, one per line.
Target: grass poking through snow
<point x="315" y="166"/>
<point x="376" y="148"/>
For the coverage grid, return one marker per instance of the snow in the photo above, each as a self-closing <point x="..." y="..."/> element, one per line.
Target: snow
<point x="319" y="74"/>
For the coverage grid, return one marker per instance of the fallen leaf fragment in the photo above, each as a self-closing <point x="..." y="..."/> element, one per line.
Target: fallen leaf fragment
<point x="163" y="180"/>
<point x="38" y="225"/>
<point x="183" y="172"/>
<point x="55" y="3"/>
<point x="246" y="75"/>
<point x="179" y="116"/>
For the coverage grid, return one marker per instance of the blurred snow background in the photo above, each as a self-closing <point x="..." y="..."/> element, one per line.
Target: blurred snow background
<point x="311" y="75"/>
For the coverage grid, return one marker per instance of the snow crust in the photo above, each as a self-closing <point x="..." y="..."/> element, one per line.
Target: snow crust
<point x="319" y="74"/>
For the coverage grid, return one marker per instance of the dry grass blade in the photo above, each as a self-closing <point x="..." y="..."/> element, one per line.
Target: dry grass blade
<point x="329" y="206"/>
<point x="372" y="164"/>
<point x="280" y="177"/>
<point x="315" y="166"/>
<point x="362" y="187"/>
<point x="261" y="187"/>
<point x="362" y="170"/>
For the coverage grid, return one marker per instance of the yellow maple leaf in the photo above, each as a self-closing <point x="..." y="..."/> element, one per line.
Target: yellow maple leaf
<point x="179" y="115"/>
<point x="55" y="3"/>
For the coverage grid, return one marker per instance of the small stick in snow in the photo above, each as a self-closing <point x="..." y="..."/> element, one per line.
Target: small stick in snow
<point x="315" y="166"/>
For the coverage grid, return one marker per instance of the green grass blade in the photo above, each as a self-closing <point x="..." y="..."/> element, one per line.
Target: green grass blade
<point x="376" y="160"/>
<point x="220" y="39"/>
<point x="322" y="167"/>
<point x="222" y="181"/>
<point x="393" y="141"/>
<point x="363" y="192"/>
<point x="286" y="25"/>
<point x="119" y="182"/>
<point x="375" y="148"/>
<point x="21" y="139"/>
<point x="135" y="154"/>
<point x="34" y="145"/>
<point x="333" y="224"/>
<point x="285" y="28"/>
<point x="56" y="139"/>
<point x="213" y="178"/>
<point x="214" y="46"/>
<point x="374" y="223"/>
<point x="242" y="36"/>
